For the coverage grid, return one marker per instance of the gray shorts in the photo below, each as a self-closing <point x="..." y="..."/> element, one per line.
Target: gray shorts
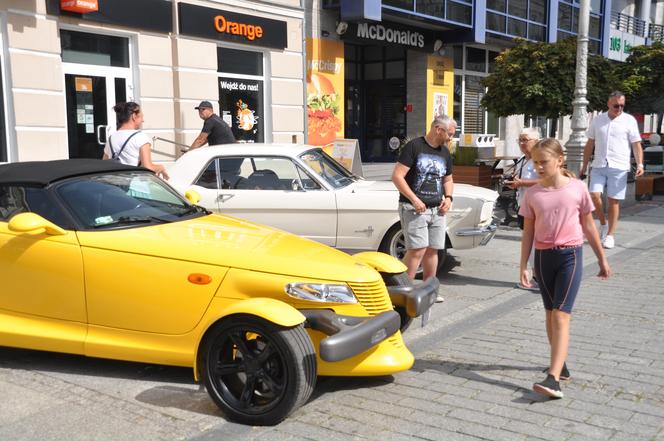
<point x="426" y="230"/>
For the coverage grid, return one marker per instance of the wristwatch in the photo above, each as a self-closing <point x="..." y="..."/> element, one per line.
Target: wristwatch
<point x="448" y="196"/>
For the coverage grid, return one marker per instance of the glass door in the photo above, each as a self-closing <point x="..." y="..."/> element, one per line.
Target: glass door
<point x="91" y="94"/>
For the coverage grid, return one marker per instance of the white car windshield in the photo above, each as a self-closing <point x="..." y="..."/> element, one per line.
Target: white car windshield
<point x="327" y="168"/>
<point x="123" y="200"/>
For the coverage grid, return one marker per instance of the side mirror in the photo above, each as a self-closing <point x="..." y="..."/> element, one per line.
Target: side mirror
<point x="34" y="223"/>
<point x="192" y="196"/>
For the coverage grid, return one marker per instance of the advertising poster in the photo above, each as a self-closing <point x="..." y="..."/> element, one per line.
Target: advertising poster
<point x="241" y="103"/>
<point x="325" y="91"/>
<point x="440" y="87"/>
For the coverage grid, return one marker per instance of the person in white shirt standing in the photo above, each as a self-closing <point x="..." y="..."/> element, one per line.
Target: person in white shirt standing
<point x="129" y="145"/>
<point x="610" y="136"/>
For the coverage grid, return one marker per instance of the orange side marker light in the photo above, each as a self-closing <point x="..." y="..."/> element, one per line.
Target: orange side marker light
<point x="199" y="279"/>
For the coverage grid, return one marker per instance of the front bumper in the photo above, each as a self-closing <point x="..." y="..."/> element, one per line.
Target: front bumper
<point x="415" y="299"/>
<point x="486" y="233"/>
<point x="347" y="335"/>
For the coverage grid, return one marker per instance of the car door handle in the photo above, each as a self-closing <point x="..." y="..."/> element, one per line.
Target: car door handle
<point x="224" y="197"/>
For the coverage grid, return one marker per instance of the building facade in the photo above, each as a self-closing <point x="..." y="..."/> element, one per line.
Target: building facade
<point x="61" y="72"/>
<point x="470" y="34"/>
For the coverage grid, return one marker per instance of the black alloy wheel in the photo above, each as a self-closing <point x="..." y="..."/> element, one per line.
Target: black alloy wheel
<point x="258" y="372"/>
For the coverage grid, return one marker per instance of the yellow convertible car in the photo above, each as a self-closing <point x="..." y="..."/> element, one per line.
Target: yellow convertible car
<point x="107" y="260"/>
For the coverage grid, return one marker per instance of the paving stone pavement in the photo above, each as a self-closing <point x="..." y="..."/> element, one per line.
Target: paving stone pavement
<point x="476" y="362"/>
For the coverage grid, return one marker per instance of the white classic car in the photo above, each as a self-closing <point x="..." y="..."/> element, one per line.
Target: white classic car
<point x="302" y="190"/>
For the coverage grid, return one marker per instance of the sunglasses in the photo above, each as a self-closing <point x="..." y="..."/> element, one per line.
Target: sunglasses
<point x="618" y="106"/>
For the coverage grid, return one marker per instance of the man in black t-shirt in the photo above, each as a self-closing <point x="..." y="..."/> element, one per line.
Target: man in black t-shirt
<point x="215" y="130"/>
<point x="423" y="176"/>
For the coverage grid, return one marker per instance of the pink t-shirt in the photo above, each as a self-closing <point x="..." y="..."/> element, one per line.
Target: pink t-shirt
<point x="557" y="213"/>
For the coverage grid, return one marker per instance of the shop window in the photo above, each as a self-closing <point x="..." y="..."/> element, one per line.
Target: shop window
<point x="373" y="71"/>
<point x="239" y="62"/>
<point x="241" y="93"/>
<point x="458" y="87"/>
<point x="473" y="113"/>
<point x="492" y="60"/>
<point x="395" y="69"/>
<point x="101" y="50"/>
<point x="475" y="59"/>
<point x="458" y="56"/>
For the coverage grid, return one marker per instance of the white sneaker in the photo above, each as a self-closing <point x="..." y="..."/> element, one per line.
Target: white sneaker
<point x="608" y="242"/>
<point x="603" y="231"/>
<point x="440" y="299"/>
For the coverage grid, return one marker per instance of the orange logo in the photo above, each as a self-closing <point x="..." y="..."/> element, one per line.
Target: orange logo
<point x="250" y="32"/>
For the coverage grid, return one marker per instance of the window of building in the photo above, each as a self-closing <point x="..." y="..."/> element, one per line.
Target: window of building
<point x="100" y="50"/>
<point x="568" y="22"/>
<point x="457" y="11"/>
<point x="475" y="59"/>
<point x="517" y="18"/>
<point x="241" y="93"/>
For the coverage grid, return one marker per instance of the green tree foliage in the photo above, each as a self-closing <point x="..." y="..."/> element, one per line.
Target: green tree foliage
<point x="642" y="77"/>
<point x="538" y="79"/>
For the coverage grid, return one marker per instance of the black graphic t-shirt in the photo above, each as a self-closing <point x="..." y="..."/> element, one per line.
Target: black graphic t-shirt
<point x="427" y="166"/>
<point x="218" y="131"/>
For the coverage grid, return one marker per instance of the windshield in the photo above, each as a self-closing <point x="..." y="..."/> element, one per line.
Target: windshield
<point x="123" y="200"/>
<point x="334" y="173"/>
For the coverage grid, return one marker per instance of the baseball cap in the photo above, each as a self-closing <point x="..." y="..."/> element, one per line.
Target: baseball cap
<point x="203" y="105"/>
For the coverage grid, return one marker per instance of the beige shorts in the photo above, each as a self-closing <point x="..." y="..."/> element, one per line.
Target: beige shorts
<point x="426" y="230"/>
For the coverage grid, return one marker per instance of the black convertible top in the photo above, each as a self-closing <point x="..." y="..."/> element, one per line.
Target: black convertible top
<point x="43" y="173"/>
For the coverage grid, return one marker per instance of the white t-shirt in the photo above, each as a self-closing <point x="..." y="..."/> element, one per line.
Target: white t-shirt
<point x="131" y="153"/>
<point x="527" y="172"/>
<point x="613" y="140"/>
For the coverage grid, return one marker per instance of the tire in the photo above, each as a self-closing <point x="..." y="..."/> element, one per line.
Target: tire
<point x="400" y="279"/>
<point x="394" y="244"/>
<point x="255" y="371"/>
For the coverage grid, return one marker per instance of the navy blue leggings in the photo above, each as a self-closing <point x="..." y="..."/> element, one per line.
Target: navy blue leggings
<point x="558" y="272"/>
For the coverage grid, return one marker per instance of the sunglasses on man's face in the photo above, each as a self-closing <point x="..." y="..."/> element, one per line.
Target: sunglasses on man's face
<point x="618" y="106"/>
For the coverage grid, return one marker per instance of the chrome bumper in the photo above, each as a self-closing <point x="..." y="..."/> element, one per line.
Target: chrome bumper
<point x="348" y="335"/>
<point x="415" y="299"/>
<point x="487" y="232"/>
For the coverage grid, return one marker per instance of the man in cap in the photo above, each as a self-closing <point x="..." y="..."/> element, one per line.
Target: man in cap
<point x="215" y="130"/>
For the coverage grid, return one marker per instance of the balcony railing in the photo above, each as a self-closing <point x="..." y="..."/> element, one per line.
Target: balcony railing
<point x="627" y="23"/>
<point x="656" y="32"/>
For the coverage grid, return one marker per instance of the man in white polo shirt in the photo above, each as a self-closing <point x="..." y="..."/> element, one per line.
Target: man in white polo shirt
<point x="610" y="136"/>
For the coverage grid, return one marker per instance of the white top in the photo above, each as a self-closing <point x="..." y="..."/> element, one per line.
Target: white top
<point x="527" y="172"/>
<point x="131" y="153"/>
<point x="613" y="140"/>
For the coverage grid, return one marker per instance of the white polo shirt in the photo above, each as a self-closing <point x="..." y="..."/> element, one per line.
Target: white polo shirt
<point x="613" y="140"/>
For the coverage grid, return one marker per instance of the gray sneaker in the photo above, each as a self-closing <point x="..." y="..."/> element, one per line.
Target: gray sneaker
<point x="549" y="387"/>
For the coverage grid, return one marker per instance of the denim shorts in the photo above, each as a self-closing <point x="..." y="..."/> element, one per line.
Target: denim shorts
<point x="615" y="181"/>
<point x="558" y="272"/>
<point x="426" y="230"/>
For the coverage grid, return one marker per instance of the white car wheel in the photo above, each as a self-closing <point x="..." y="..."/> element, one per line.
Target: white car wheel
<point x="394" y="244"/>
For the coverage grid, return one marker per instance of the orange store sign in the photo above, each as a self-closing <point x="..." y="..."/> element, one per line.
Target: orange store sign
<point x="80" y="6"/>
<point x="248" y="31"/>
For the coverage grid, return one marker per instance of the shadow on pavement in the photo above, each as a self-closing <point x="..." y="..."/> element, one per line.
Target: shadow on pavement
<point x="55" y="362"/>
<point x="470" y="371"/>
<point x="189" y="399"/>
<point x="452" y="279"/>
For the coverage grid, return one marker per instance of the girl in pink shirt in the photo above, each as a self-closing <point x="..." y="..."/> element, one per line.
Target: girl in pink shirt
<point x="557" y="213"/>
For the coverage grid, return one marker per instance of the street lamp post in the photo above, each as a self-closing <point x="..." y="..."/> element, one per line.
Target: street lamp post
<point x="577" y="140"/>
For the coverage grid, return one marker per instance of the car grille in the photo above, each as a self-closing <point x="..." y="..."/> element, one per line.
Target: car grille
<point x="373" y="296"/>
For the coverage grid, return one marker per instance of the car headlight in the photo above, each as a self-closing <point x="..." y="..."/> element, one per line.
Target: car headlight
<point x="321" y="292"/>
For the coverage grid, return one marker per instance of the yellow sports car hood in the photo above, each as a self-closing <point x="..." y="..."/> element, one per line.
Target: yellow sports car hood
<point x="231" y="242"/>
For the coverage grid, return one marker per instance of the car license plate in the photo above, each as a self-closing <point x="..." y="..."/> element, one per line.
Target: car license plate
<point x="425" y="317"/>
